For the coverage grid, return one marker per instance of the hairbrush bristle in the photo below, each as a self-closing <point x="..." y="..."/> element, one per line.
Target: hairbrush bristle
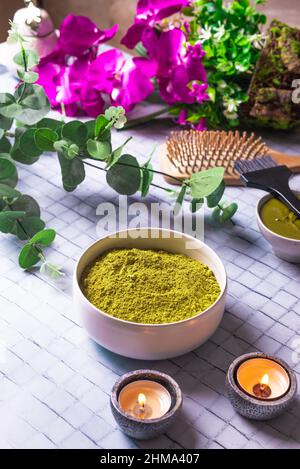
<point x="190" y="151"/>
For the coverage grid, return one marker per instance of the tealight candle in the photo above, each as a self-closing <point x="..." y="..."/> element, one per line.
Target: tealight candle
<point x="145" y="399"/>
<point x="145" y="403"/>
<point x="260" y="386"/>
<point x="263" y="378"/>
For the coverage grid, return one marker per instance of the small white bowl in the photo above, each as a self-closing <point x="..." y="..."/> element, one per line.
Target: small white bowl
<point x="285" y="248"/>
<point x="150" y="341"/>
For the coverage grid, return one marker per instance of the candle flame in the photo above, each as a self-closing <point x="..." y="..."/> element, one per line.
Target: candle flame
<point x="142" y="399"/>
<point x="264" y="380"/>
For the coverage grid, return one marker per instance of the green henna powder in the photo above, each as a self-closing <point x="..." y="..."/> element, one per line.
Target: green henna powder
<point x="149" y="287"/>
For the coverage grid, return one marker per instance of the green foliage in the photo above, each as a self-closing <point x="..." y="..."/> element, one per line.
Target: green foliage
<point x="72" y="171"/>
<point x="98" y="150"/>
<point x="204" y="183"/>
<point x="33" y="103"/>
<point x="75" y="143"/>
<point x="230" y="34"/>
<point x="29" y="256"/>
<point x="147" y="177"/>
<point x="44" y="138"/>
<point x="214" y="198"/>
<point x="125" y="176"/>
<point x="8" y="171"/>
<point x="180" y="199"/>
<point x="32" y="253"/>
<point x="76" y="132"/>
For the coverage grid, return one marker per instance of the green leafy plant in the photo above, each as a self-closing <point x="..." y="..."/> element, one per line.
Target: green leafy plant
<point x="77" y="144"/>
<point x="230" y="34"/>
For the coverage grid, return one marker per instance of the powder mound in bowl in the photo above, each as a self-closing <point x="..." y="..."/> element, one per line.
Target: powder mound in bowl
<point x="149" y="287"/>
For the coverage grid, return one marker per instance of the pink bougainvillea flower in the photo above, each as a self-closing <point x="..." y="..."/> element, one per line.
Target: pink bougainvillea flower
<point x="180" y="73"/>
<point x="79" y="33"/>
<point x="65" y="85"/>
<point x="91" y="100"/>
<point x="148" y="13"/>
<point x="63" y="72"/>
<point x="50" y="77"/>
<point x="126" y="81"/>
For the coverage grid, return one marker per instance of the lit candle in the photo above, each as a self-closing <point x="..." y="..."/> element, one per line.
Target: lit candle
<point x="263" y="378"/>
<point x="259" y="386"/>
<point x="145" y="399"/>
<point x="145" y="403"/>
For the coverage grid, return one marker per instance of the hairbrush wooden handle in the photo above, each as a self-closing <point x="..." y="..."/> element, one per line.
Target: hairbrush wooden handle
<point x="291" y="161"/>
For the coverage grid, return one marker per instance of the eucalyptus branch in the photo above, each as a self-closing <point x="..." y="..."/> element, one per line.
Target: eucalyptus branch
<point x="76" y="144"/>
<point x="151" y="170"/>
<point x="105" y="170"/>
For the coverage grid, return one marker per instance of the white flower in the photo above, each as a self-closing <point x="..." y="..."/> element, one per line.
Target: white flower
<point x="240" y="67"/>
<point x="258" y="40"/>
<point x="231" y="107"/>
<point x="205" y="34"/>
<point x="222" y="85"/>
<point x="219" y="32"/>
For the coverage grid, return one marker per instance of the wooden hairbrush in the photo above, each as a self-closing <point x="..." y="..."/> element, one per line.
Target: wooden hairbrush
<point x="189" y="151"/>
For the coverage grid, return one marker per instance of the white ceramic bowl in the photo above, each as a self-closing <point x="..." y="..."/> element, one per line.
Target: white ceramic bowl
<point x="286" y="248"/>
<point x="150" y="341"/>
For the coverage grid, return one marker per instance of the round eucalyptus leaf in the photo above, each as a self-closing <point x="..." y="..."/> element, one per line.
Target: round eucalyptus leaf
<point x="28" y="227"/>
<point x="5" y="122"/>
<point x="28" y="77"/>
<point x="7" y="167"/>
<point x="5" y="145"/>
<point x="45" y="138"/>
<point x="34" y="103"/>
<point x="8" y="192"/>
<point x="214" y="198"/>
<point x="9" y="220"/>
<point x="101" y="123"/>
<point x="72" y="172"/>
<point x="44" y="238"/>
<point x="19" y="156"/>
<point x="27" y="204"/>
<point x="9" y="108"/>
<point x="27" y="144"/>
<point x="229" y="211"/>
<point x="90" y="126"/>
<point x="48" y="123"/>
<point x="76" y="132"/>
<point x="206" y="182"/>
<point x="29" y="256"/>
<point x="8" y="172"/>
<point x="31" y="58"/>
<point x="125" y="176"/>
<point x="98" y="150"/>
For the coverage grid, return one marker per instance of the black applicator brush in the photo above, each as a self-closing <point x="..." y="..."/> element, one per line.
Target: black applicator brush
<point x="264" y="173"/>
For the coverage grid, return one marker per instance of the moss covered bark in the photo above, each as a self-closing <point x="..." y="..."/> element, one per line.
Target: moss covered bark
<point x="270" y="93"/>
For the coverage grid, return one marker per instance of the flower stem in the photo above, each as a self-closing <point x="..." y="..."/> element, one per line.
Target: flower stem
<point x="144" y="119"/>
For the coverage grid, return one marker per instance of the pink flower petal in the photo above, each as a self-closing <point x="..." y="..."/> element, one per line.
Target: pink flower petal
<point x="79" y="33"/>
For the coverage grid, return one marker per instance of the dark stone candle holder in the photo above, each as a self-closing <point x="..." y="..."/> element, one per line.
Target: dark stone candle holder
<point x="150" y="428"/>
<point x="250" y="406"/>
